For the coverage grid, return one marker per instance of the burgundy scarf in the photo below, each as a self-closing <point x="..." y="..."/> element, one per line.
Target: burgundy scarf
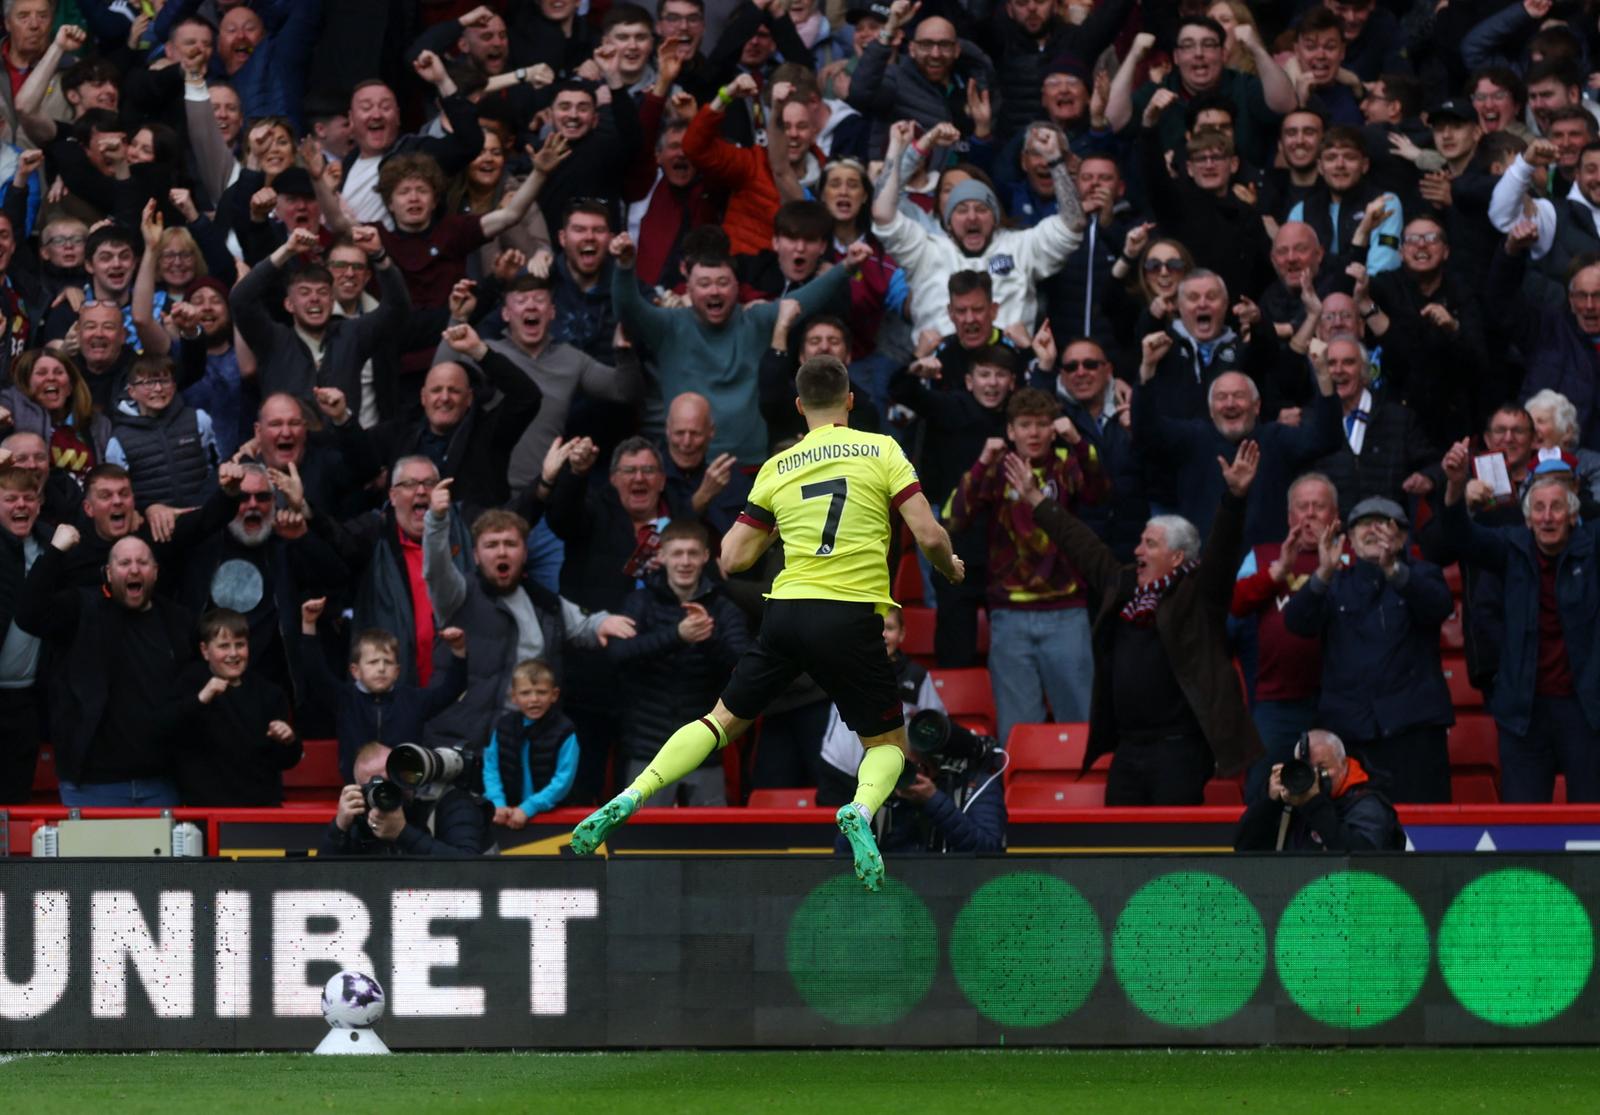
<point x="1141" y="610"/>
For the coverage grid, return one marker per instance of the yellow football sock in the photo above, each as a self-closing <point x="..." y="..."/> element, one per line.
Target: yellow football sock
<point x="687" y="748"/>
<point x="879" y="771"/>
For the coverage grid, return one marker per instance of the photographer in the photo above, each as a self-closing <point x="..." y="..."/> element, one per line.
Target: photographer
<point x="949" y="798"/>
<point x="455" y="823"/>
<point x="1321" y="800"/>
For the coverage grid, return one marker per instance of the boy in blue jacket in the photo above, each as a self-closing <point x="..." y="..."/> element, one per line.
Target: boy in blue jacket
<point x="532" y="755"/>
<point x="373" y="706"/>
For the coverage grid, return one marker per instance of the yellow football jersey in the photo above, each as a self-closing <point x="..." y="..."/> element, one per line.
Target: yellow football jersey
<point x="832" y="499"/>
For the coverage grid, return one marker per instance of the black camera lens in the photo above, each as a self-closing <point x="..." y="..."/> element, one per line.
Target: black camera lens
<point x="383" y="796"/>
<point x="1297" y="776"/>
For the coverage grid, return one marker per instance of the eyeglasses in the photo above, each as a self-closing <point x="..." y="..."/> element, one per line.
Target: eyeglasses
<point x="1203" y="158"/>
<point x="1418" y="238"/>
<point x="1174" y="266"/>
<point x="67" y="241"/>
<point x="415" y="485"/>
<point x="173" y="256"/>
<point x="1191" y="45"/>
<point x="346" y="265"/>
<point x="151" y="381"/>
<point x="1089" y="365"/>
<point x="638" y="470"/>
<point x="937" y="46"/>
<point x="1338" y="315"/>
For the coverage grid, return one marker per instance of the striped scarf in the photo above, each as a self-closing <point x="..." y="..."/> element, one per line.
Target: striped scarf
<point x="1141" y="610"/>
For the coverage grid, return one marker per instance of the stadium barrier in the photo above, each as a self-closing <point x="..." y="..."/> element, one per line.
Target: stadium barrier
<point x="725" y="952"/>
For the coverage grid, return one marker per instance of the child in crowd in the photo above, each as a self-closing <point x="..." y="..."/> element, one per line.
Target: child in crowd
<point x="533" y="752"/>
<point x="372" y="707"/>
<point x="167" y="446"/>
<point x="235" y="740"/>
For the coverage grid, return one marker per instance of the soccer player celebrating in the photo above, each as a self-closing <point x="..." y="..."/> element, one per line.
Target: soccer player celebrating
<point x="830" y="498"/>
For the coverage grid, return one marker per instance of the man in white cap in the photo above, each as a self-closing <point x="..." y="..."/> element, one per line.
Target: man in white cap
<point x="1017" y="260"/>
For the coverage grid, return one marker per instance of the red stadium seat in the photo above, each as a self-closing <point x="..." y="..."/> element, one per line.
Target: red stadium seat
<point x="1056" y="794"/>
<point x="316" y="776"/>
<point x="1473" y="789"/>
<point x="782" y="799"/>
<point x="1451" y="637"/>
<point x="918" y="640"/>
<point x="908" y="581"/>
<point x="1560" y="797"/>
<point x="45" y="787"/>
<point x="1463" y="695"/>
<point x="1224" y="791"/>
<point x="1050" y="751"/>
<point x="1452" y="577"/>
<point x="983" y="631"/>
<point x="1474" y="744"/>
<point x="967" y="697"/>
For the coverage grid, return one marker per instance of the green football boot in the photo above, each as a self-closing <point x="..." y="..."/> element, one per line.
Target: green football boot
<point x="594" y="829"/>
<point x="857" y="828"/>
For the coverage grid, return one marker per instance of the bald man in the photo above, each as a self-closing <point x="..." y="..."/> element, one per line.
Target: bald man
<point x="712" y="491"/>
<point x="1296" y="251"/>
<point x="60" y="493"/>
<point x="114" y="652"/>
<point x="468" y="440"/>
<point x="1341" y="811"/>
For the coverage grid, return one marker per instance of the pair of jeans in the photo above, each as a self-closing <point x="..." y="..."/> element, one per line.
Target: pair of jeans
<point x="1034" y="655"/>
<point x="139" y="793"/>
<point x="1558" y="738"/>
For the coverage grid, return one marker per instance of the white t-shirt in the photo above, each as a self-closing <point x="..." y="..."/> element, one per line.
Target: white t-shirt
<point x="361" y="190"/>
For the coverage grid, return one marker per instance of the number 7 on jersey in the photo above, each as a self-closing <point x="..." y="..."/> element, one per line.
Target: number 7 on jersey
<point x="836" y="490"/>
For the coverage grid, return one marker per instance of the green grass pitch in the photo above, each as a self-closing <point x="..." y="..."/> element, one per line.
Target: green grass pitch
<point x="1013" y="1082"/>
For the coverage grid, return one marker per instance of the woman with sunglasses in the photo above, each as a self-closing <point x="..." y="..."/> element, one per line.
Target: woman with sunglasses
<point x="1150" y="271"/>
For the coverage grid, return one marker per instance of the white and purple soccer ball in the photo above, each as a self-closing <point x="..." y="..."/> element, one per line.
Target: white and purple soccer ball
<point x="351" y="1001"/>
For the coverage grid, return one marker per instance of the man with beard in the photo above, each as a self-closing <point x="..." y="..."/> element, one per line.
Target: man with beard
<point x="479" y="36"/>
<point x="1299" y="140"/>
<point x="1191" y="447"/>
<point x="262" y="565"/>
<point x="108" y="516"/>
<point x="579" y="283"/>
<point x="22" y="540"/>
<point x="507" y="615"/>
<point x="467" y="441"/>
<point x="710" y="346"/>
<point x="941" y="78"/>
<point x="559" y="371"/>
<point x="1288" y="667"/>
<point x="1031" y="36"/>
<point x="1017" y="260"/>
<point x="115" y="650"/>
<point x="318" y="349"/>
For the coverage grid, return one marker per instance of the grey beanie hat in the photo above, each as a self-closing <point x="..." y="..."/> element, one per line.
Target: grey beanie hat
<point x="971" y="190"/>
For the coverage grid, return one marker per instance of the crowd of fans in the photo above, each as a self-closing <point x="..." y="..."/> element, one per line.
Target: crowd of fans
<point x="389" y="371"/>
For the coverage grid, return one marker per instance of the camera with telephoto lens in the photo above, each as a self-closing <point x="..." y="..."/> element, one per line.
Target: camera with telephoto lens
<point x="414" y="767"/>
<point x="382" y="795"/>
<point x="945" y="745"/>
<point x="1297" y="777"/>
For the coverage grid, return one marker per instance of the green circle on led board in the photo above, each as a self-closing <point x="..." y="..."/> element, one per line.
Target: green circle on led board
<point x="1189" y="949"/>
<point x="858" y="958"/>
<point x="1516" y="947"/>
<point x="1352" y="949"/>
<point x="1027" y="949"/>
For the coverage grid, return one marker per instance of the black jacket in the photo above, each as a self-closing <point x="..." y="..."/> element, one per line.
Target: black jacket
<point x="665" y="681"/>
<point x="1358" y="820"/>
<point x="455" y="826"/>
<point x="224" y="756"/>
<point x="1442" y="376"/>
<point x="1393" y="448"/>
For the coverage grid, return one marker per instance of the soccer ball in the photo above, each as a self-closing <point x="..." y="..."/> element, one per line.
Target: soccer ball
<point x="352" y="1000"/>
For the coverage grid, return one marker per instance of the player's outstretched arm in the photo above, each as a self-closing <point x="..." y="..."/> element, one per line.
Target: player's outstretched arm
<point x="932" y="539"/>
<point x="743" y="546"/>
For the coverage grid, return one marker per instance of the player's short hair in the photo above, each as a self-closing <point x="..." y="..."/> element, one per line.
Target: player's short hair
<point x="222" y="621"/>
<point x="533" y="670"/>
<point x="822" y="383"/>
<point x="496" y="520"/>
<point x="833" y="320"/>
<point x="1030" y="402"/>
<point x="377" y="639"/>
<point x="110" y="234"/>
<point x="965" y="282"/>
<point x="692" y="530"/>
<point x="803" y="220"/>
